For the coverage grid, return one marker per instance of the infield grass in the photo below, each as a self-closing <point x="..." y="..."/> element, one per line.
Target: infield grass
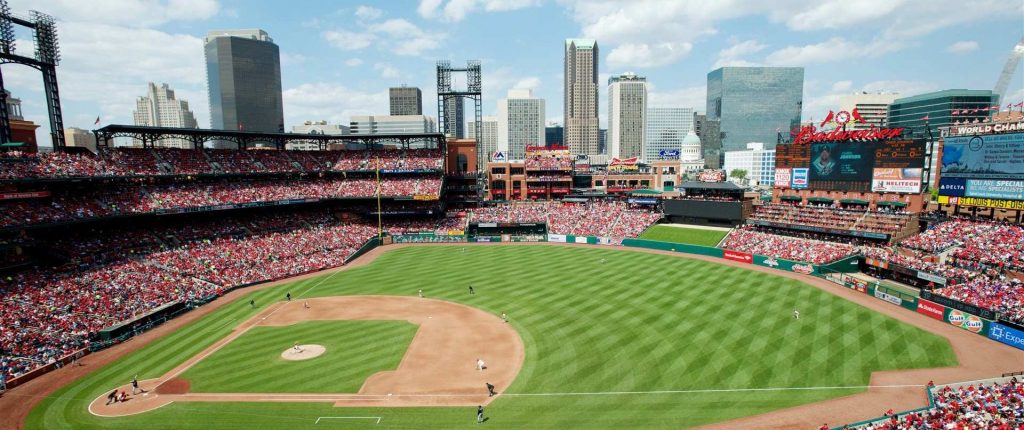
<point x="638" y="322"/>
<point x="252" y="363"/>
<point x="692" y="236"/>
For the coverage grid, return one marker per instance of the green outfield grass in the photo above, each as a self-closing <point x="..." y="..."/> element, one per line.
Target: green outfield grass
<point x="252" y="363"/>
<point x="638" y="322"/>
<point x="692" y="236"/>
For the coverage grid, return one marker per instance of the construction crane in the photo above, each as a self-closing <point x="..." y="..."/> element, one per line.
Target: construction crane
<point x="1011" y="65"/>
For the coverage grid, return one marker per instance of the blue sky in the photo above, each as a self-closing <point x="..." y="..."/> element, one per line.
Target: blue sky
<point x="339" y="58"/>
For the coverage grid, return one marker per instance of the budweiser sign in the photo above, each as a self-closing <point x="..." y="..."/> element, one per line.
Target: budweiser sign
<point x="809" y="134"/>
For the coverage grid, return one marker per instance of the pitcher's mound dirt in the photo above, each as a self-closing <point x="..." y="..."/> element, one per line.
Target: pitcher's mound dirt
<point x="174" y="386"/>
<point x="304" y="352"/>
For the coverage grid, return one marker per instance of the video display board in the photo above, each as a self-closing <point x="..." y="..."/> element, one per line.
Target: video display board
<point x="894" y="166"/>
<point x="996" y="156"/>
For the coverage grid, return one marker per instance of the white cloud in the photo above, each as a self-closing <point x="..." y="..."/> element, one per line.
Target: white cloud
<point x="528" y="83"/>
<point x="292" y="59"/>
<point x="457" y="10"/>
<point x="405" y="38"/>
<point x="333" y="102"/>
<point x="834" y="49"/>
<point x="130" y="13"/>
<point x="836" y="14"/>
<point x="647" y="55"/>
<point x="731" y="56"/>
<point x="695" y="97"/>
<point x="368" y="12"/>
<point x="962" y="47"/>
<point x="348" y="40"/>
<point x="819" y="98"/>
<point x="353" y="62"/>
<point x="386" y="70"/>
<point x="842" y="86"/>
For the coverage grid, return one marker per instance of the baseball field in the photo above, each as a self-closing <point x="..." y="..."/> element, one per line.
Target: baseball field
<point x="676" y="234"/>
<point x="596" y="339"/>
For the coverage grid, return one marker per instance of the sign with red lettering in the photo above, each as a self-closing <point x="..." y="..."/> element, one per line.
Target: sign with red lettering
<point x="809" y="134"/>
<point x="742" y="257"/>
<point x="931" y="309"/>
<point x="24" y="195"/>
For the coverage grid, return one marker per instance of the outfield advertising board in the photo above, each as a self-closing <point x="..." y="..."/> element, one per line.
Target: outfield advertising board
<point x="799" y="178"/>
<point x="931" y="278"/>
<point x="1007" y="335"/>
<point x="931" y="309"/>
<point x="888" y="297"/>
<point x="966" y="321"/>
<point x="782" y="178"/>
<point x="982" y="202"/>
<point x="995" y="189"/>
<point x="956" y="304"/>
<point x="956" y="187"/>
<point x="995" y="156"/>
<point x="560" y="238"/>
<point x="742" y="257"/>
<point x="896" y="180"/>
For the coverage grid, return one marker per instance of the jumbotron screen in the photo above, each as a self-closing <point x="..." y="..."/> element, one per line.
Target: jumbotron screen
<point x="892" y="166"/>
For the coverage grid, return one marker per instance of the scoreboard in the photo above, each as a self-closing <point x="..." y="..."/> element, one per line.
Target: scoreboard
<point x="892" y="166"/>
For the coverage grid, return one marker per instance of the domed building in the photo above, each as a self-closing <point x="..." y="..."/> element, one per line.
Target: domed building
<point x="690" y="154"/>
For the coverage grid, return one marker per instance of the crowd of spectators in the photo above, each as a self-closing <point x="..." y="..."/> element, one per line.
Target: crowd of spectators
<point x="139" y="199"/>
<point x="46" y="313"/>
<point x="596" y="218"/>
<point x="163" y="161"/>
<point x="548" y="162"/>
<point x="751" y="239"/>
<point x="987" y="406"/>
<point x="832" y="217"/>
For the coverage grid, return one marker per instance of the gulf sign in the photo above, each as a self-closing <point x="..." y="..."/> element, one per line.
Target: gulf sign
<point x="931" y="309"/>
<point x="966" y="321"/>
<point x="742" y="257"/>
<point x="800" y="178"/>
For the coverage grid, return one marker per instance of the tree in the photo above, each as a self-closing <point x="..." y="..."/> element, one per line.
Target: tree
<point x="740" y="174"/>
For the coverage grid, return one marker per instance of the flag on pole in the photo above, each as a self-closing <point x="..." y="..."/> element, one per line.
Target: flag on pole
<point x="995" y="108"/>
<point x="955" y="112"/>
<point x="924" y="118"/>
<point x="97" y="120"/>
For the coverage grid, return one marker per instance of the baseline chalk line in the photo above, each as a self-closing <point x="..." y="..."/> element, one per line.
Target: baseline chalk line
<point x="377" y="419"/>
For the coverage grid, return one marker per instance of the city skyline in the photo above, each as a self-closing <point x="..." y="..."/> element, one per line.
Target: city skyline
<point x="342" y="62"/>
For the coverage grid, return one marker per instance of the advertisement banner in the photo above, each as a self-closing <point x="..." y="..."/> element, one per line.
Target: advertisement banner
<point x="931" y="309"/>
<point x="856" y="284"/>
<point x="956" y="187"/>
<point x="882" y="264"/>
<point x="806" y="269"/>
<point x="560" y="238"/>
<point x="24" y="195"/>
<point x="894" y="180"/>
<point x="799" y="178"/>
<point x="995" y="156"/>
<point x="889" y="298"/>
<point x="986" y="203"/>
<point x="966" y="321"/>
<point x="580" y="239"/>
<point x="995" y="189"/>
<point x="782" y="177"/>
<point x="742" y="257"/>
<point x="1007" y="335"/>
<point x="932" y="278"/>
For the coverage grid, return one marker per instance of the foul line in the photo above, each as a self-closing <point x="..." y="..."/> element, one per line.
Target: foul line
<point x="347" y="418"/>
<point x="720" y="390"/>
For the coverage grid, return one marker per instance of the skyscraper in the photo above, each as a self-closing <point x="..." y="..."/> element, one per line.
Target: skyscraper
<point x="455" y="118"/>
<point x="874" y="108"/>
<point x="554" y="135"/>
<point x="581" y="99"/>
<point x="666" y="128"/>
<point x="754" y="104"/>
<point x="406" y="100"/>
<point x="627" y="115"/>
<point x="488" y="135"/>
<point x="520" y="123"/>
<point x="159" y="108"/>
<point x="243" y="75"/>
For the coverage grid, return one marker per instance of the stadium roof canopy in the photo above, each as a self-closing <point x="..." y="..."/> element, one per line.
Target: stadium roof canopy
<point x="150" y="136"/>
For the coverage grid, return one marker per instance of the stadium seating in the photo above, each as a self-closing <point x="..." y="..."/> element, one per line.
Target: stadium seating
<point x="751" y="240"/>
<point x="991" y="405"/>
<point x="831" y="217"/>
<point x="162" y="161"/>
<point x="47" y="313"/>
<point x="603" y="219"/>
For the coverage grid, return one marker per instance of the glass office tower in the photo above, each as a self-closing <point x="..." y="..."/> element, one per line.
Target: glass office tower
<point x="755" y="104"/>
<point x="243" y="74"/>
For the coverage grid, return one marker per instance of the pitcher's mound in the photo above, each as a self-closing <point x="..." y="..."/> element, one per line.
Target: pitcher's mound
<point x="305" y="352"/>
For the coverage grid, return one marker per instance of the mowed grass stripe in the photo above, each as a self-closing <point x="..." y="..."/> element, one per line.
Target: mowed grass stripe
<point x="634" y="322"/>
<point x="252" y="362"/>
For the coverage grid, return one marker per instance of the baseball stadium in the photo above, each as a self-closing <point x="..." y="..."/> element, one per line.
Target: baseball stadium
<point x="271" y="280"/>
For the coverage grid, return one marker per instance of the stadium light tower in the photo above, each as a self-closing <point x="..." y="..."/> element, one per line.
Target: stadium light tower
<point x="446" y="93"/>
<point x="45" y="59"/>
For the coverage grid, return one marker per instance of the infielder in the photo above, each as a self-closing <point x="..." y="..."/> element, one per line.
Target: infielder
<point x="480" y="414"/>
<point x="480" y="364"/>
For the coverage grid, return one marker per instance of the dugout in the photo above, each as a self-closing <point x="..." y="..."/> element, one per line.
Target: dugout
<point x="708" y="203"/>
